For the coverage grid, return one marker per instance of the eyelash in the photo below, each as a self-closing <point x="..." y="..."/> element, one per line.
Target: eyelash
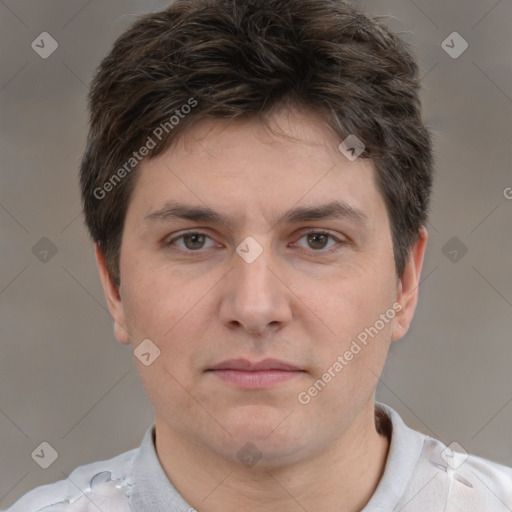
<point x="199" y="252"/>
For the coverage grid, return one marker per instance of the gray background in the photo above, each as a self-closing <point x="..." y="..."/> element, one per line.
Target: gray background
<point x="64" y="378"/>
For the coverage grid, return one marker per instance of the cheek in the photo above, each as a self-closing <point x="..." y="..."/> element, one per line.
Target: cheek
<point x="360" y="316"/>
<point x="166" y="309"/>
<point x="157" y="310"/>
<point x="152" y="298"/>
<point x="346" y="305"/>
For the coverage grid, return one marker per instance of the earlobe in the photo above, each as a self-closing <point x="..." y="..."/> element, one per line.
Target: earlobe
<point x="113" y="297"/>
<point x="407" y="292"/>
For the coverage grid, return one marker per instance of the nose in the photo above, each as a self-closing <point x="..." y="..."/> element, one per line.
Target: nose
<point x="255" y="297"/>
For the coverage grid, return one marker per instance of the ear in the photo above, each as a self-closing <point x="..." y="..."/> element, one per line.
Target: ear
<point x="407" y="294"/>
<point x="113" y="297"/>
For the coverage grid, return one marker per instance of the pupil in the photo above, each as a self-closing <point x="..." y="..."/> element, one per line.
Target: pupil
<point x="189" y="237"/>
<point x="316" y="236"/>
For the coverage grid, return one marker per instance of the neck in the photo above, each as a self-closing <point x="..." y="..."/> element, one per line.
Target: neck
<point x="341" y="478"/>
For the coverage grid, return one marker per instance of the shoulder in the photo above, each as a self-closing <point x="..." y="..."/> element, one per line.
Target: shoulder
<point x="107" y="481"/>
<point x="424" y="473"/>
<point x="459" y="480"/>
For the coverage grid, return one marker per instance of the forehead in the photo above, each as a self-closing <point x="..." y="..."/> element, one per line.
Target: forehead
<point x="245" y="165"/>
<point x="299" y="132"/>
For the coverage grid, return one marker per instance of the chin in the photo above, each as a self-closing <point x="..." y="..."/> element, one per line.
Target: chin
<point x="276" y="438"/>
<point x="257" y="420"/>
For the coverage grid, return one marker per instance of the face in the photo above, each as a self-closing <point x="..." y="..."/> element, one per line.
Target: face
<point x="240" y="244"/>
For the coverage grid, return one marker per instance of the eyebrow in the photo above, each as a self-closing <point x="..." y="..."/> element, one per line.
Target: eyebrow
<point x="333" y="210"/>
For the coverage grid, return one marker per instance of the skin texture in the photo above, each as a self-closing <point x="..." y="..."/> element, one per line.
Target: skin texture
<point x="296" y="302"/>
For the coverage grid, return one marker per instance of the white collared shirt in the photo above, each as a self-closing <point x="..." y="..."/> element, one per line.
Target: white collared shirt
<point x="421" y="475"/>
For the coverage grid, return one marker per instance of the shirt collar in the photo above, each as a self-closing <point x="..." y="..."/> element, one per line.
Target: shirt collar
<point x="404" y="454"/>
<point x="153" y="492"/>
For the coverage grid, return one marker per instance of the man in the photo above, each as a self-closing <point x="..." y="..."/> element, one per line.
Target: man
<point x="257" y="181"/>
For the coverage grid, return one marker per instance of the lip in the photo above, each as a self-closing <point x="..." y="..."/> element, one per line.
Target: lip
<point x="246" y="365"/>
<point x="245" y="374"/>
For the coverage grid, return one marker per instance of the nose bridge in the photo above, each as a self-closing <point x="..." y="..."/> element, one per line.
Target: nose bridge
<point x="256" y="298"/>
<point x="251" y="273"/>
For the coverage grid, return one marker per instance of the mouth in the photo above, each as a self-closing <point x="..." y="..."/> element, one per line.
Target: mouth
<point x="251" y="375"/>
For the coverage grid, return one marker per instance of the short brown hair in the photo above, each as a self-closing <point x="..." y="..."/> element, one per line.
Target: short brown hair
<point x="244" y="58"/>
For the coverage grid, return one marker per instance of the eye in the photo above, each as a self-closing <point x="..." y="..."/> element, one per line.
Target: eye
<point x="317" y="240"/>
<point x="192" y="241"/>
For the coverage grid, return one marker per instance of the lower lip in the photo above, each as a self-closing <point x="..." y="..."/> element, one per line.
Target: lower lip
<point x="256" y="379"/>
